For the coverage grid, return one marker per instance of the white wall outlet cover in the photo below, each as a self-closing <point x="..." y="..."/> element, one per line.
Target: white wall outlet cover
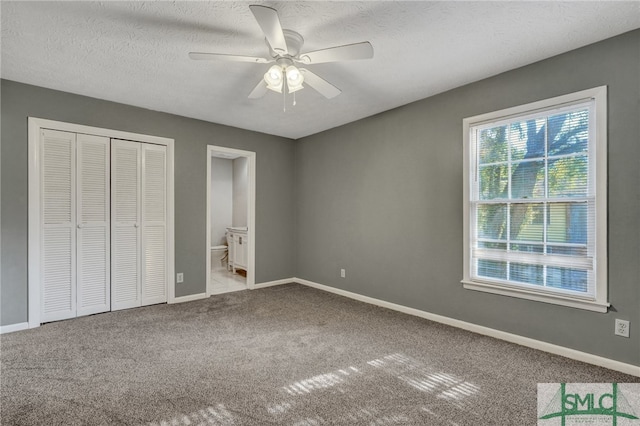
<point x="343" y="273"/>
<point x="622" y="328"/>
<point x="180" y="277"/>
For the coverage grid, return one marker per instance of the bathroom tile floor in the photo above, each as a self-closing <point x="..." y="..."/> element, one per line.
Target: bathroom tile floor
<point x="223" y="281"/>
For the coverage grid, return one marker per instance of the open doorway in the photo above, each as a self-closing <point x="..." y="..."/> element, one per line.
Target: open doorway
<point x="230" y="220"/>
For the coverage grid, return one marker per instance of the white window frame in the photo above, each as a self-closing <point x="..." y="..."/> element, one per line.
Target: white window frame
<point x="597" y="154"/>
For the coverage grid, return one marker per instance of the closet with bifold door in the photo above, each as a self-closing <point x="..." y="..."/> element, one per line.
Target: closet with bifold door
<point x="138" y="225"/>
<point x="103" y="219"/>
<point x="75" y="241"/>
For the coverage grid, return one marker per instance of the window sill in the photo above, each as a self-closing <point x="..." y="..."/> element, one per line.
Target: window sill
<point x="589" y="305"/>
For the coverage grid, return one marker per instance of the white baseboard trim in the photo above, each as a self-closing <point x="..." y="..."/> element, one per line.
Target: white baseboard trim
<point x="14" y="327"/>
<point x="272" y="283"/>
<point x="611" y="364"/>
<point x="190" y="298"/>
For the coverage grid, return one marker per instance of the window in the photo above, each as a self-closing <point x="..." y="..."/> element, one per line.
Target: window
<point x="535" y="201"/>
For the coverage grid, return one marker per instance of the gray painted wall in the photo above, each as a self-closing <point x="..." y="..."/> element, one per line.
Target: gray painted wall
<point x="274" y="181"/>
<point x="382" y="198"/>
<point x="221" y="199"/>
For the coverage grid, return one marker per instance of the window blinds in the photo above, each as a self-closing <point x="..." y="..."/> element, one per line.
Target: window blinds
<point x="532" y="200"/>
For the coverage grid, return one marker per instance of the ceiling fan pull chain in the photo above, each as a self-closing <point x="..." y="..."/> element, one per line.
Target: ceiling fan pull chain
<point x="294" y="98"/>
<point x="284" y="94"/>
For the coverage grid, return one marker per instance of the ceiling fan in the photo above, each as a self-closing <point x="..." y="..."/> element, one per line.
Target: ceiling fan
<point x="284" y="49"/>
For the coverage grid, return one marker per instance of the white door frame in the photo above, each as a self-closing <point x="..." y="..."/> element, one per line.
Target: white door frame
<point x="35" y="231"/>
<point x="251" y="211"/>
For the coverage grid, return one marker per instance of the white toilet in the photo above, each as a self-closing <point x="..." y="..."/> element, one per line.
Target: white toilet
<point x="218" y="256"/>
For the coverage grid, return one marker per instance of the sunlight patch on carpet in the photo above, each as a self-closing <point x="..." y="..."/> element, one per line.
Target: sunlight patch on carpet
<point x="414" y="373"/>
<point x="210" y="415"/>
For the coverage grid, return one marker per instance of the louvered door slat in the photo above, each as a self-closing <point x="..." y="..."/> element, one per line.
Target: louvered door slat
<point x="125" y="224"/>
<point x="93" y="271"/>
<point x="93" y="171"/>
<point x="154" y="277"/>
<point x="126" y="272"/>
<point x="58" y="285"/>
<point x="58" y="281"/>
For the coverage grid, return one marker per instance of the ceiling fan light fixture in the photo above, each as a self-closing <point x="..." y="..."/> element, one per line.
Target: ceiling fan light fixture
<point x="294" y="78"/>
<point x="274" y="79"/>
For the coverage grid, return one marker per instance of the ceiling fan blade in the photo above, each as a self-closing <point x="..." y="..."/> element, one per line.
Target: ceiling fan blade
<point x="325" y="88"/>
<point x="198" y="56"/>
<point x="348" y="52"/>
<point x="259" y="91"/>
<point x="270" y="23"/>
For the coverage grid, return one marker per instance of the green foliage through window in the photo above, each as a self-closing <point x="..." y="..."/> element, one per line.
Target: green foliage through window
<point x="532" y="195"/>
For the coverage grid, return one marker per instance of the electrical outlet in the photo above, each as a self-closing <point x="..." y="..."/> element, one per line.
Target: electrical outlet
<point x="343" y="273"/>
<point x="179" y="277"/>
<point x="622" y="328"/>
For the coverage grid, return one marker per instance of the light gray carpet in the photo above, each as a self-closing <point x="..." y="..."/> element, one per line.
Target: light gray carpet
<point x="282" y="355"/>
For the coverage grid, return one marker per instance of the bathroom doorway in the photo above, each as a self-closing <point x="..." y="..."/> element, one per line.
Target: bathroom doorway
<point x="230" y="220"/>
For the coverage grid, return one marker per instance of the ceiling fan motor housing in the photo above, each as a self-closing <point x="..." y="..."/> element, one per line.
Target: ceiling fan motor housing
<point x="294" y="43"/>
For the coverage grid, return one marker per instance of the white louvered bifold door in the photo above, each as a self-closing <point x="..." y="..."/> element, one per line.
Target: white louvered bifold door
<point x="125" y="224"/>
<point x="93" y="225"/>
<point x="154" y="226"/>
<point x="58" y="221"/>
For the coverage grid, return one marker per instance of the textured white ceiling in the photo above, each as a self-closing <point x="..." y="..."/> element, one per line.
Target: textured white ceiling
<point x="136" y="52"/>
